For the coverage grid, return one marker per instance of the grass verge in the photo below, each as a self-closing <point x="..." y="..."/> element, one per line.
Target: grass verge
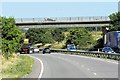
<point x="17" y="67"/>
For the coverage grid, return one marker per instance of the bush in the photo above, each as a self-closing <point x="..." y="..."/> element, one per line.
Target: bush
<point x="21" y="68"/>
<point x="80" y="37"/>
<point x="11" y="36"/>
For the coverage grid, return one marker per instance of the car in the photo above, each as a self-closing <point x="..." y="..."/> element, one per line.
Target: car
<point x="71" y="47"/>
<point x="46" y="50"/>
<point x="108" y="50"/>
<point x="35" y="50"/>
<point x="30" y="49"/>
<point x="25" y="49"/>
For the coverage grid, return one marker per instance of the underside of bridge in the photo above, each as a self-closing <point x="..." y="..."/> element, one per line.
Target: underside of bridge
<point x="63" y="26"/>
<point x="51" y="24"/>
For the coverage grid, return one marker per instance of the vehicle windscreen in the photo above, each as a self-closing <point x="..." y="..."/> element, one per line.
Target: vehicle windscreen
<point x="71" y="46"/>
<point x="25" y="46"/>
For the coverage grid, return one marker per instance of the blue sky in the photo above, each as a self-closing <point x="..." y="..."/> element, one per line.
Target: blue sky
<point x="57" y="9"/>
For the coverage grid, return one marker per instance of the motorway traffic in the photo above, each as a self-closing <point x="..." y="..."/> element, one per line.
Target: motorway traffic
<point x="56" y="65"/>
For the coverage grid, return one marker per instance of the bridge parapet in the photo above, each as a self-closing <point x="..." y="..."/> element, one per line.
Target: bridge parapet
<point x="62" y="19"/>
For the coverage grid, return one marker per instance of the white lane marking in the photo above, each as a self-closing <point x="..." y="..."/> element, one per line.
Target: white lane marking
<point x="88" y="69"/>
<point x="95" y="73"/>
<point x="42" y="67"/>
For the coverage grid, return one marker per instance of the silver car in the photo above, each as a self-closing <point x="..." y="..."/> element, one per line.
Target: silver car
<point x="35" y="50"/>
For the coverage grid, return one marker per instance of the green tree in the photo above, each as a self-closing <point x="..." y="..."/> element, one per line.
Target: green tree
<point x="36" y="35"/>
<point x="100" y="43"/>
<point x="80" y="37"/>
<point x="0" y="33"/>
<point x="115" y="21"/>
<point x="11" y="36"/>
<point x="58" y="34"/>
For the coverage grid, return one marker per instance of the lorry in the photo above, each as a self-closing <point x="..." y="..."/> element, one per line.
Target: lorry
<point x="112" y="39"/>
<point x="26" y="47"/>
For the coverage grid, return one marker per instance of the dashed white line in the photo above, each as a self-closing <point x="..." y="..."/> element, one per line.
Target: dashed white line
<point x="95" y="73"/>
<point x="88" y="69"/>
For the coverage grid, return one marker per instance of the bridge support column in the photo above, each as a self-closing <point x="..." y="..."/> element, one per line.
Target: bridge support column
<point x="96" y="28"/>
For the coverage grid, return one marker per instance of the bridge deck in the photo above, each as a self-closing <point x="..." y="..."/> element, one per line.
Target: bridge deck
<point x="95" y="21"/>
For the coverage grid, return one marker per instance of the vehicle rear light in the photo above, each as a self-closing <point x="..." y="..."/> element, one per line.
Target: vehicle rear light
<point x="25" y="49"/>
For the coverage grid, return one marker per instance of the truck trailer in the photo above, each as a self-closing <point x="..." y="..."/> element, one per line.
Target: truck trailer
<point x="112" y="39"/>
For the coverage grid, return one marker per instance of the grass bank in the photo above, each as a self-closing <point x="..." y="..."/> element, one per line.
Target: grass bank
<point x="96" y="34"/>
<point x="16" y="66"/>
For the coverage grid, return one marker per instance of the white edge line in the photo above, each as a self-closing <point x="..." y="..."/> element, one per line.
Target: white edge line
<point x="42" y="68"/>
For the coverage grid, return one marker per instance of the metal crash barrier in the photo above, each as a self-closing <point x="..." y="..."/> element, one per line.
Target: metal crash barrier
<point x="114" y="56"/>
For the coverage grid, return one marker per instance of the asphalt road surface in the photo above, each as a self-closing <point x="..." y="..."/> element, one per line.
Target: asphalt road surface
<point x="74" y="66"/>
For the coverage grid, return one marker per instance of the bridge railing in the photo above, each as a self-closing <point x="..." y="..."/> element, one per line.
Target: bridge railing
<point x="94" y="18"/>
<point x="114" y="56"/>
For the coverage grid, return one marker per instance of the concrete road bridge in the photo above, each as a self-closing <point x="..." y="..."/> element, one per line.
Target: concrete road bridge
<point x="95" y="21"/>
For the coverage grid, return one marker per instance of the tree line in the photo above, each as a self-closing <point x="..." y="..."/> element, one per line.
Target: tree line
<point x="115" y="21"/>
<point x="77" y="36"/>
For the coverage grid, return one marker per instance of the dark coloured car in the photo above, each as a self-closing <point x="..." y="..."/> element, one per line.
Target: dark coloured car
<point x="108" y="50"/>
<point x="26" y="49"/>
<point x="46" y="50"/>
